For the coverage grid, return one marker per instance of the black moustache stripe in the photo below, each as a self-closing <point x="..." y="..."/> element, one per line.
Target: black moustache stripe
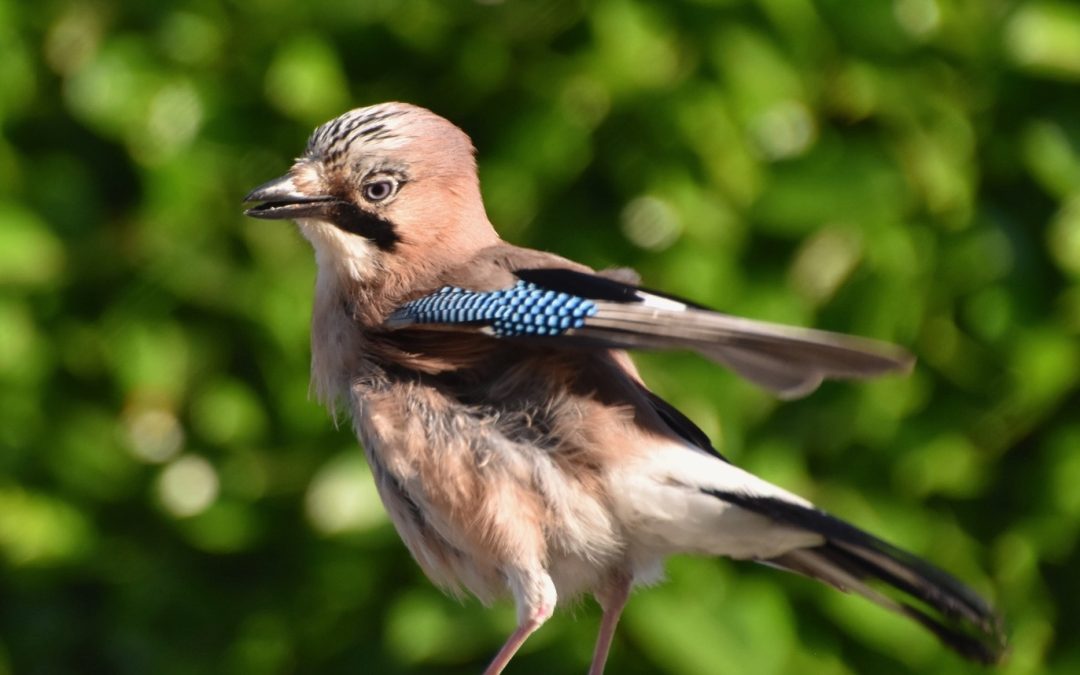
<point x="351" y="218"/>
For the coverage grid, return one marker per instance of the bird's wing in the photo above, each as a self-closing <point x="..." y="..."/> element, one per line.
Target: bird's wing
<point x="537" y="297"/>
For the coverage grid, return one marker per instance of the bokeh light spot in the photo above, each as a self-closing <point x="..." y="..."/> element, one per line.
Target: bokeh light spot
<point x="824" y="261"/>
<point x="342" y="497"/>
<point x="918" y="17"/>
<point x="154" y="434"/>
<point x="173" y="120"/>
<point x="651" y="223"/>
<point x="786" y="129"/>
<point x="188" y="486"/>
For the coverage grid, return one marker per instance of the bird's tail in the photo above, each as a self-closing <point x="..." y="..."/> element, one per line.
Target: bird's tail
<point x="851" y="560"/>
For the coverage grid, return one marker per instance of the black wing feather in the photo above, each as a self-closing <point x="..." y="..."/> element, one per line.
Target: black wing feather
<point x="594" y="286"/>
<point x="682" y="425"/>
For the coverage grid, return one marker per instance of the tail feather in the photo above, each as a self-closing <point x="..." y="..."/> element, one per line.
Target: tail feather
<point x="850" y="558"/>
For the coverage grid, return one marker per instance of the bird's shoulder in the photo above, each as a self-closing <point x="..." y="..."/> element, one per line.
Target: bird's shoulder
<point x="503" y="265"/>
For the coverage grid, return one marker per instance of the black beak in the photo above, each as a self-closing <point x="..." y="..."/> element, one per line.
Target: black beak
<point x="281" y="200"/>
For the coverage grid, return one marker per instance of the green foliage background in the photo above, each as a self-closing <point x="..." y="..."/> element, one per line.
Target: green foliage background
<point x="171" y="501"/>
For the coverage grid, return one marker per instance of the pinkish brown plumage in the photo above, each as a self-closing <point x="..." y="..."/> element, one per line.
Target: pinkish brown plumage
<point x="513" y="443"/>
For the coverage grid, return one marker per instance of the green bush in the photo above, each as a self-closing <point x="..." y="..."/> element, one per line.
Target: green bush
<point x="172" y="502"/>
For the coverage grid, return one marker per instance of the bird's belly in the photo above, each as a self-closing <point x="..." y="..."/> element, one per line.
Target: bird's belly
<point x="472" y="499"/>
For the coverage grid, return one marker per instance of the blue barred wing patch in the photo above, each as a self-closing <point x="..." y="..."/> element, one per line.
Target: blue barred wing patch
<point x="521" y="310"/>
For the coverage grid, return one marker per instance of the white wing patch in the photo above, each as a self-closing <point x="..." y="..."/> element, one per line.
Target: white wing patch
<point x="662" y="303"/>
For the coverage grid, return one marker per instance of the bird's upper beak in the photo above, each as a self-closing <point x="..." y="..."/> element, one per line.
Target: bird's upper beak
<point x="281" y="199"/>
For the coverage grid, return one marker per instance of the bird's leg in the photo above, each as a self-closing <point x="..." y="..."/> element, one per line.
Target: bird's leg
<point x="612" y="600"/>
<point x="535" y="596"/>
<point x="525" y="628"/>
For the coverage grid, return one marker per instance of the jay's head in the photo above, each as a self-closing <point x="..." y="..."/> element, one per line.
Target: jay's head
<point x="382" y="189"/>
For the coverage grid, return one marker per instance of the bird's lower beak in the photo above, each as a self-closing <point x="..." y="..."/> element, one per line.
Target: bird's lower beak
<point x="281" y="199"/>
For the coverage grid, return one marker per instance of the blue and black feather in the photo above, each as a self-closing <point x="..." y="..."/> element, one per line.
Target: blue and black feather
<point x="524" y="309"/>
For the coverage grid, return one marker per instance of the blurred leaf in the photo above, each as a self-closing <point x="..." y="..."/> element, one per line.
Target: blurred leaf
<point x="1045" y="37"/>
<point x="29" y="253"/>
<point x="305" y="80"/>
<point x="227" y="412"/>
<point x="37" y="529"/>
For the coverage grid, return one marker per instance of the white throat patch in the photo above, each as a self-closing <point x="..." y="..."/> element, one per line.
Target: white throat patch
<point x="349" y="255"/>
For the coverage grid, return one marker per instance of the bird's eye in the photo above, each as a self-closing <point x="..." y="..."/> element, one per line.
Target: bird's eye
<point x="378" y="190"/>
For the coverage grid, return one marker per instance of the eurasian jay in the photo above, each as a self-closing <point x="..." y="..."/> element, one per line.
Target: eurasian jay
<point x="512" y="441"/>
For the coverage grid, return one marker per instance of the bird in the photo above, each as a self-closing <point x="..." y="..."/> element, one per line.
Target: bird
<point x="516" y="448"/>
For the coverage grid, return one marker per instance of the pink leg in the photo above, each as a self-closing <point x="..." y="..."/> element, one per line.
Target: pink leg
<point x="536" y="602"/>
<point x="517" y="638"/>
<point x="612" y="600"/>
